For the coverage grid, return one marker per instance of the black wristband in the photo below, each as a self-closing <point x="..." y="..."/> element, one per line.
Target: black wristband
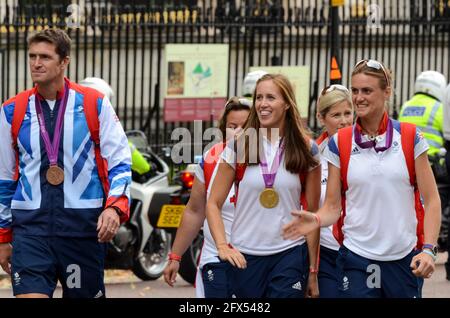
<point x="118" y="211"/>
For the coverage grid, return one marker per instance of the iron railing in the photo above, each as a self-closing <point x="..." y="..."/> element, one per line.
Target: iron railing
<point x="125" y="45"/>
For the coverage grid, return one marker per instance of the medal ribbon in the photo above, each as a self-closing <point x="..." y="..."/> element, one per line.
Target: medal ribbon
<point x="51" y="147"/>
<point x="373" y="143"/>
<point x="269" y="176"/>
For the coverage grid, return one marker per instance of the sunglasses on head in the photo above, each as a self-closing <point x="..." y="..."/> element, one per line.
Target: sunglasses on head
<point x="329" y="89"/>
<point x="241" y="101"/>
<point x="375" y="65"/>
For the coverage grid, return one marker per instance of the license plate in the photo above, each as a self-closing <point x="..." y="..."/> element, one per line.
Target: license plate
<point x="170" y="215"/>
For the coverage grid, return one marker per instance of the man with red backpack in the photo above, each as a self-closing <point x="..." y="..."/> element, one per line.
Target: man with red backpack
<point x="64" y="178"/>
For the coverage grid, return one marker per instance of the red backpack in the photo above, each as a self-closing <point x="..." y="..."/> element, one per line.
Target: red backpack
<point x="408" y="135"/>
<point x="90" y="109"/>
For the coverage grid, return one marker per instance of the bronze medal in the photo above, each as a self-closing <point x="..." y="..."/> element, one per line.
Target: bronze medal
<point x="55" y="175"/>
<point x="269" y="198"/>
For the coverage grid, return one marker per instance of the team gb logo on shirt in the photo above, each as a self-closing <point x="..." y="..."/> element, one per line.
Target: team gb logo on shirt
<point x="395" y="146"/>
<point x="420" y="135"/>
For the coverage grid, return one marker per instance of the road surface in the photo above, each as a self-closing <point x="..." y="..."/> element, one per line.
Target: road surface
<point x="123" y="284"/>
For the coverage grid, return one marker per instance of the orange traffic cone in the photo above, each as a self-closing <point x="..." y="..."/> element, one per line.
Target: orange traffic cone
<point x="335" y="73"/>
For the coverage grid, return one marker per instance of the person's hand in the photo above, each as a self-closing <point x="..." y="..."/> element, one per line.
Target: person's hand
<point x="107" y="225"/>
<point x="232" y="255"/>
<point x="422" y="265"/>
<point x="5" y="256"/>
<point x="170" y="272"/>
<point x="303" y="223"/>
<point x="312" y="290"/>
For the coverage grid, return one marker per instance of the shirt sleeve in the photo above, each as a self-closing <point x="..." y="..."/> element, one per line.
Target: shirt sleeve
<point x="331" y="152"/>
<point x="7" y="169"/>
<point x="420" y="144"/>
<point x="315" y="153"/>
<point x="114" y="148"/>
<point x="199" y="174"/>
<point x="228" y="154"/>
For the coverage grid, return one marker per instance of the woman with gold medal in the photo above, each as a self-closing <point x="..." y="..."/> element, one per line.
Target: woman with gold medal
<point x="266" y="161"/>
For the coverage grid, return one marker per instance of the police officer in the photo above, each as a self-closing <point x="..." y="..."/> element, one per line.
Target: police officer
<point x="425" y="110"/>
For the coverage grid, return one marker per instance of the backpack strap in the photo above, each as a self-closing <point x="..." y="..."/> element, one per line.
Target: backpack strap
<point x="20" y="108"/>
<point x="90" y="108"/>
<point x="91" y="97"/>
<point x="408" y="136"/>
<point x="238" y="175"/>
<point x="345" y="147"/>
<point x="345" y="136"/>
<point x="211" y="160"/>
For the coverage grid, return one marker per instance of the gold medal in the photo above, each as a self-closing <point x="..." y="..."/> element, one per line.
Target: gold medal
<point x="55" y="175"/>
<point x="268" y="198"/>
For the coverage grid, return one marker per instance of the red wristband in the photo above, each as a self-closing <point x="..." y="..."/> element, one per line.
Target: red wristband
<point x="174" y="257"/>
<point x="313" y="270"/>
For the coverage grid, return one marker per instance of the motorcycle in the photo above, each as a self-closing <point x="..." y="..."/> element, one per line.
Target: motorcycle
<point x="166" y="211"/>
<point x="138" y="245"/>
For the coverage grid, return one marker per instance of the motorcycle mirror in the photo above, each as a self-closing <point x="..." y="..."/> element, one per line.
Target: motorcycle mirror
<point x="166" y="151"/>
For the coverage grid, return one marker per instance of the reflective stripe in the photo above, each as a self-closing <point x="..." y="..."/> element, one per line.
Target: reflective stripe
<point x="433" y="143"/>
<point x="431" y="131"/>
<point x="433" y="113"/>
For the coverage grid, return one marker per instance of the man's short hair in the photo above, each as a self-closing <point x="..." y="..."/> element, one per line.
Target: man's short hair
<point x="57" y="37"/>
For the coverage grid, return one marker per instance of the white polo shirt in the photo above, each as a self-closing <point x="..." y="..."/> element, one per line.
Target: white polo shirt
<point x="326" y="233"/>
<point x="257" y="230"/>
<point x="380" y="222"/>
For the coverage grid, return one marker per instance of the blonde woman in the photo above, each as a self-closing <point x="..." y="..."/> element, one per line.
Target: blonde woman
<point x="334" y="111"/>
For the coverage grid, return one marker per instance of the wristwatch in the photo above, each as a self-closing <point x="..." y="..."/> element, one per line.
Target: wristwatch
<point x="118" y="211"/>
<point x="432" y="248"/>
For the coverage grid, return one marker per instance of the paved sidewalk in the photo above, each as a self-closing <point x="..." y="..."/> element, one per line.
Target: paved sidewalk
<point x="123" y="284"/>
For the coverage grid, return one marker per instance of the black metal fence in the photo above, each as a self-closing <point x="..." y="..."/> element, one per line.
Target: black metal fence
<point x="125" y="45"/>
